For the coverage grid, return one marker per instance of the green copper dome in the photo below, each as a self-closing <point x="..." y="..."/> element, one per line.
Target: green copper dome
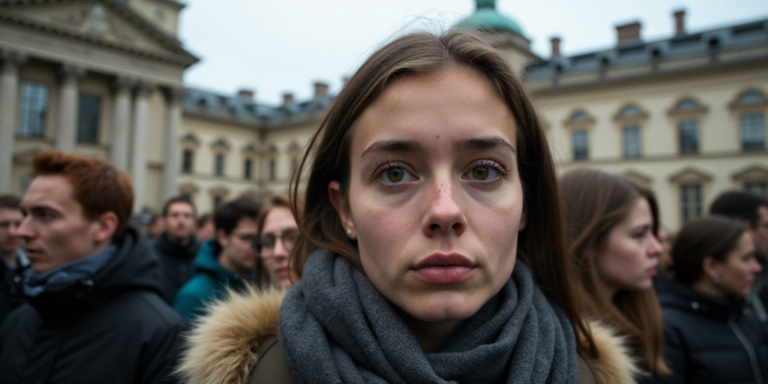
<point x="486" y="17"/>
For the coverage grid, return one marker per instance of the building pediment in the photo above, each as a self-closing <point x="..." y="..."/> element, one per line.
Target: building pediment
<point x="102" y="22"/>
<point x="690" y="175"/>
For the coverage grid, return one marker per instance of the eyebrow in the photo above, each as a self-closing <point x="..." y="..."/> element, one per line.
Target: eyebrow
<point x="482" y="143"/>
<point x="394" y="146"/>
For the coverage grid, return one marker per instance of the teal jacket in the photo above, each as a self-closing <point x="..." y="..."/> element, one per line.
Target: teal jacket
<point x="209" y="283"/>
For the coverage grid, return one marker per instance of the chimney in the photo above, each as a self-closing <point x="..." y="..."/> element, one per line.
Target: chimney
<point x="321" y="89"/>
<point x="628" y="32"/>
<point x="245" y="94"/>
<point x="287" y="98"/>
<point x="555" y="46"/>
<point x="680" y="22"/>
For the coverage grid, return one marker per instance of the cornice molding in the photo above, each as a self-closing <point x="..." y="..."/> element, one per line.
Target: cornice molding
<point x="178" y="55"/>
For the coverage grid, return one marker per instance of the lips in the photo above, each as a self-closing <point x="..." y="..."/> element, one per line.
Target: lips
<point x="281" y="272"/>
<point x="444" y="269"/>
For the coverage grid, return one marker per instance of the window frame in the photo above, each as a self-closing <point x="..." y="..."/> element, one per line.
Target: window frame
<point x="22" y="116"/>
<point x="96" y="130"/>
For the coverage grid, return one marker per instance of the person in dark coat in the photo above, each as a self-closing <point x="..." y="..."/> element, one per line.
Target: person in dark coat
<point x="95" y="312"/>
<point x="711" y="334"/>
<point x="177" y="246"/>
<point x="13" y="261"/>
<point x="226" y="262"/>
<point x="752" y="211"/>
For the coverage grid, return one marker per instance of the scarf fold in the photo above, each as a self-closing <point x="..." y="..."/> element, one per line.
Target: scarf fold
<point x="78" y="270"/>
<point x="335" y="326"/>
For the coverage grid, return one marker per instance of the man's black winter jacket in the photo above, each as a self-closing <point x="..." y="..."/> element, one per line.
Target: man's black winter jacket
<point x="112" y="329"/>
<point x="176" y="263"/>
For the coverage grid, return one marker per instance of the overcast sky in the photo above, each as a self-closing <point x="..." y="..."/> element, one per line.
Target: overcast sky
<point x="276" y="46"/>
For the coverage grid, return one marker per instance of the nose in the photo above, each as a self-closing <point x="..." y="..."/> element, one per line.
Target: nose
<point x="279" y="250"/>
<point x="756" y="267"/>
<point x="654" y="247"/>
<point x="445" y="214"/>
<point x="24" y="230"/>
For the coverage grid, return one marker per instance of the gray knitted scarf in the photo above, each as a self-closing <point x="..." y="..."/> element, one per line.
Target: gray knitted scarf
<point x="335" y="327"/>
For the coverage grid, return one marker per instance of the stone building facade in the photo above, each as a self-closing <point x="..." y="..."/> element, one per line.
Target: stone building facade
<point x="684" y="115"/>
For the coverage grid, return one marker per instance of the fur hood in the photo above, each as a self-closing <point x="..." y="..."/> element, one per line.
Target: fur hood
<point x="220" y="348"/>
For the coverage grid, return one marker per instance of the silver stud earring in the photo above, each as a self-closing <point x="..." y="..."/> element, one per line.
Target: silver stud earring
<point x="716" y="279"/>
<point x="349" y="232"/>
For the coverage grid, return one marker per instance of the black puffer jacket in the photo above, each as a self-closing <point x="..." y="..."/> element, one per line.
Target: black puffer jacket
<point x="176" y="262"/>
<point x="11" y="288"/>
<point x="112" y="329"/>
<point x="712" y="340"/>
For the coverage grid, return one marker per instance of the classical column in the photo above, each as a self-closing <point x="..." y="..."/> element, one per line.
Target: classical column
<point x="174" y="97"/>
<point x="66" y="128"/>
<point x="139" y="153"/>
<point x="9" y="88"/>
<point x="120" y="124"/>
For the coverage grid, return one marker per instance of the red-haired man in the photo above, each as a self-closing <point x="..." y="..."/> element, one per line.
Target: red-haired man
<point x="95" y="314"/>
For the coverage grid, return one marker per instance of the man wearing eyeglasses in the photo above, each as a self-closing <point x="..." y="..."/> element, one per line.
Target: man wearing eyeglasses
<point x="226" y="261"/>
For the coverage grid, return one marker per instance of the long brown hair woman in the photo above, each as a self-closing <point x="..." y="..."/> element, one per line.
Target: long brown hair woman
<point x="612" y="225"/>
<point x="432" y="247"/>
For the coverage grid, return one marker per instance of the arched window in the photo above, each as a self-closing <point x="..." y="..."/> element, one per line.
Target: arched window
<point x="750" y="97"/>
<point x="752" y="120"/>
<point x="580" y="145"/>
<point x="272" y="163"/>
<point x="187" y="161"/>
<point x="687" y="105"/>
<point x="579" y="116"/>
<point x="630" y="111"/>
<point x="248" y="169"/>
<point x="218" y="165"/>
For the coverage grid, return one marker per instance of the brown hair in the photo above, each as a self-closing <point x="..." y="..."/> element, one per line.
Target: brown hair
<point x="262" y="276"/>
<point x="541" y="245"/>
<point x="594" y="203"/>
<point x="97" y="185"/>
<point x="715" y="236"/>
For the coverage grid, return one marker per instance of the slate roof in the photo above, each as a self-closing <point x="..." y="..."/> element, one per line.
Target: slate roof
<point x="638" y="52"/>
<point x="235" y="108"/>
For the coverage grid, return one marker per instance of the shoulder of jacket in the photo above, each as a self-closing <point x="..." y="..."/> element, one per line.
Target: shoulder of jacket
<point x="614" y="363"/>
<point x="221" y="348"/>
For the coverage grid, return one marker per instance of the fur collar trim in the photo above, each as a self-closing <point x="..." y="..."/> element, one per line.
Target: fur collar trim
<point x="220" y="348"/>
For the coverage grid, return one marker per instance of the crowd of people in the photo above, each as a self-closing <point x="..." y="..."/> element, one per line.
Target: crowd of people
<point x="432" y="242"/>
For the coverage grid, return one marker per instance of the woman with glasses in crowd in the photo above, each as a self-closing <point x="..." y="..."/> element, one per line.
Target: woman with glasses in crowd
<point x="277" y="233"/>
<point x="711" y="334"/>
<point x="431" y="247"/>
<point x="612" y="225"/>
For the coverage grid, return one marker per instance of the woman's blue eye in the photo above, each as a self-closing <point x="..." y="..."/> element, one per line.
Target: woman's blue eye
<point x="482" y="173"/>
<point x="395" y="175"/>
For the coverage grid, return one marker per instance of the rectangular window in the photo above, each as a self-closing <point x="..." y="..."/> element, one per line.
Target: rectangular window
<point x="580" y="143"/>
<point x="690" y="201"/>
<point x="218" y="166"/>
<point x="88" y="116"/>
<point x="630" y="141"/>
<point x="759" y="188"/>
<point x="752" y="130"/>
<point x="272" y="170"/>
<point x="187" y="161"/>
<point x="34" y="104"/>
<point x="217" y="201"/>
<point x="247" y="169"/>
<point x="688" y="136"/>
<point x="294" y="164"/>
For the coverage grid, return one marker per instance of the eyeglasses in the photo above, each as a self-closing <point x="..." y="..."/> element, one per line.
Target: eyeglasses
<point x="265" y="245"/>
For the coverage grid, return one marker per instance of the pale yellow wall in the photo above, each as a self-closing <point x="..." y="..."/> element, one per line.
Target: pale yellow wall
<point x="720" y="152"/>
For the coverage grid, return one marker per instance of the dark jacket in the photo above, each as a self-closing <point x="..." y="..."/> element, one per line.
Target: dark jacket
<point x="114" y="328"/>
<point x="11" y="283"/>
<point x="712" y="340"/>
<point x="210" y="282"/>
<point x="176" y="262"/>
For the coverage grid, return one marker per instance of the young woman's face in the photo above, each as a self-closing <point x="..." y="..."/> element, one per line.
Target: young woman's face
<point x="630" y="257"/>
<point x="737" y="273"/>
<point x="435" y="200"/>
<point x="281" y="230"/>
